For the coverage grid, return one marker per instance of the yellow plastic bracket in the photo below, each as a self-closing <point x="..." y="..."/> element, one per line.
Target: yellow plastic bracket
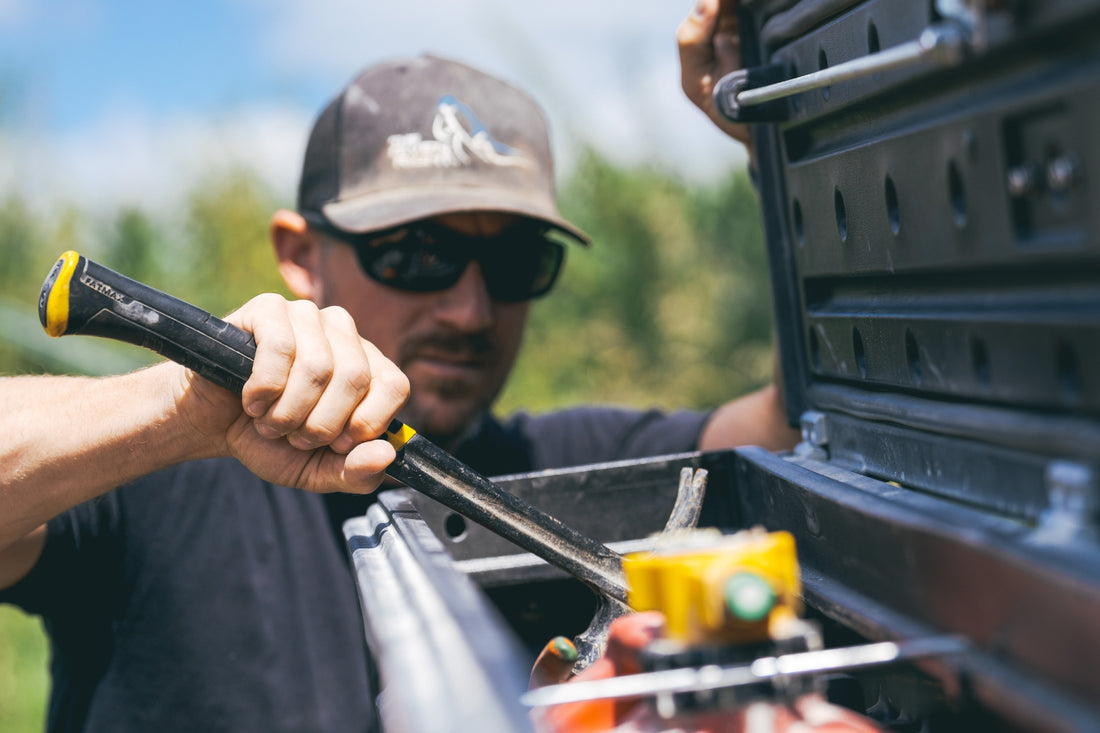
<point x="688" y="584"/>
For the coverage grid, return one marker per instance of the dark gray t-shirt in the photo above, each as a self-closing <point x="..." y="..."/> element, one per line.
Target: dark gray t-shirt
<point x="203" y="598"/>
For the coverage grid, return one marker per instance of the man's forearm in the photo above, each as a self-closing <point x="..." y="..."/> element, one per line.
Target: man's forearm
<point x="316" y="384"/>
<point x="69" y="439"/>
<point x="758" y="418"/>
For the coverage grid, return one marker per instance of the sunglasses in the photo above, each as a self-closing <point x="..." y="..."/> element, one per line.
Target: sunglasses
<point x="519" y="263"/>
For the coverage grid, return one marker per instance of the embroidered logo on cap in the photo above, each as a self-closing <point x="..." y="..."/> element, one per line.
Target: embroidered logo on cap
<point x="459" y="139"/>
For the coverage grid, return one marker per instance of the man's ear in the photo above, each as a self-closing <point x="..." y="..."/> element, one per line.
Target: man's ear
<point x="298" y="252"/>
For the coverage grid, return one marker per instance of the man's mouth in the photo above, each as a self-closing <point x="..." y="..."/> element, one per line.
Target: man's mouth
<point x="448" y="375"/>
<point x="458" y="364"/>
<point x="452" y="355"/>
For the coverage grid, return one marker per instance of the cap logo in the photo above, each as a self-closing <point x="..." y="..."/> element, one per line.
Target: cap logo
<point x="459" y="139"/>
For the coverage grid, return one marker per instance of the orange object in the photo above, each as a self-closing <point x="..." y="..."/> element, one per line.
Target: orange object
<point x="554" y="664"/>
<point x="704" y="590"/>
<point x="629" y="635"/>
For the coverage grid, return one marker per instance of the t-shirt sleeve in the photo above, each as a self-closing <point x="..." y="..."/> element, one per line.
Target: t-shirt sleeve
<point x="587" y="435"/>
<point x="68" y="574"/>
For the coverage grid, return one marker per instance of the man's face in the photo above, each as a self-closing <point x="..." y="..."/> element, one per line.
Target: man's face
<point x="457" y="346"/>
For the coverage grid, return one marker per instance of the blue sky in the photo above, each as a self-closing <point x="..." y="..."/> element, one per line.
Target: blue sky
<point x="122" y="101"/>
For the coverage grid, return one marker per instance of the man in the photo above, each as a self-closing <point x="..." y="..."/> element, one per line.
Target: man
<point x="206" y="592"/>
<point x="427" y="211"/>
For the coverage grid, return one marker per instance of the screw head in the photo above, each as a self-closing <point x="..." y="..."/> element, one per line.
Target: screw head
<point x="1021" y="180"/>
<point x="1061" y="174"/>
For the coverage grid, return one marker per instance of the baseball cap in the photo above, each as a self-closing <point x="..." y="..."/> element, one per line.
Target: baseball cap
<point x="415" y="138"/>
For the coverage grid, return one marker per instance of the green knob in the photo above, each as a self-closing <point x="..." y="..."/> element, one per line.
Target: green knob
<point x="749" y="597"/>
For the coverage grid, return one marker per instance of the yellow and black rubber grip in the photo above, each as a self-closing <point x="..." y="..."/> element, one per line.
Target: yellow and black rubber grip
<point x="83" y="297"/>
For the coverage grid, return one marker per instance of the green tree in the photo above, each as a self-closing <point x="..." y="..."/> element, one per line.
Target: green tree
<point x="226" y="258"/>
<point x="670" y="306"/>
<point x="134" y="244"/>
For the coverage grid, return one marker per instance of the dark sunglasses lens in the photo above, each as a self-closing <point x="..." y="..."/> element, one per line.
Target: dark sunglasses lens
<point x="424" y="260"/>
<point x="408" y="266"/>
<point x="520" y="274"/>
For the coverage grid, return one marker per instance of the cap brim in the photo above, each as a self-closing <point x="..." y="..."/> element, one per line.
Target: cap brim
<point x="382" y="210"/>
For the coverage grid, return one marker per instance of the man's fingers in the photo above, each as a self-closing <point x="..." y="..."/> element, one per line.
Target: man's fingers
<point x="364" y="467"/>
<point x="267" y="318"/>
<point x="696" y="48"/>
<point x="349" y="382"/>
<point x="727" y="43"/>
<point x="389" y="390"/>
<point x="698" y="26"/>
<point x="309" y="376"/>
<point x="710" y="49"/>
<point x="359" y="472"/>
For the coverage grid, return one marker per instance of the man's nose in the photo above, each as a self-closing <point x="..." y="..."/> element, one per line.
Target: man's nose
<point x="466" y="305"/>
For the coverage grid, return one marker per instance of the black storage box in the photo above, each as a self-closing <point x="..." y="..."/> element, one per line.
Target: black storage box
<point x="936" y="264"/>
<point x="933" y="228"/>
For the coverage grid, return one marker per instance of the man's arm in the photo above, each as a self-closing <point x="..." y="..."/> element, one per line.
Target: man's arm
<point x="710" y="49"/>
<point x="309" y="417"/>
<point x="758" y="418"/>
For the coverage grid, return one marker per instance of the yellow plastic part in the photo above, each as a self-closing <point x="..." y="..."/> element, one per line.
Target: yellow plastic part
<point x="688" y="584"/>
<point x="399" y="438"/>
<point x="57" y="302"/>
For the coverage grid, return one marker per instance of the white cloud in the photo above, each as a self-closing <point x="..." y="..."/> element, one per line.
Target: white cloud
<point x="605" y="72"/>
<point x="130" y="158"/>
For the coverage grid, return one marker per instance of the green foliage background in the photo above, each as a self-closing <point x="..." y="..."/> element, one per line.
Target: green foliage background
<point x="670" y="306"/>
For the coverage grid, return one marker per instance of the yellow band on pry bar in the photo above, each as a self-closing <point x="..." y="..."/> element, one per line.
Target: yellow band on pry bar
<point x="399" y="437"/>
<point x="57" y="305"/>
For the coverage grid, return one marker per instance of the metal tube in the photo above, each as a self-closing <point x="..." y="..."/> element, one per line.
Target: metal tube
<point x="715" y="677"/>
<point x="941" y="45"/>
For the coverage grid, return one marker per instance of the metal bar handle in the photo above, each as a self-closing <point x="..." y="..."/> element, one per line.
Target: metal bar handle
<point x="943" y="45"/>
